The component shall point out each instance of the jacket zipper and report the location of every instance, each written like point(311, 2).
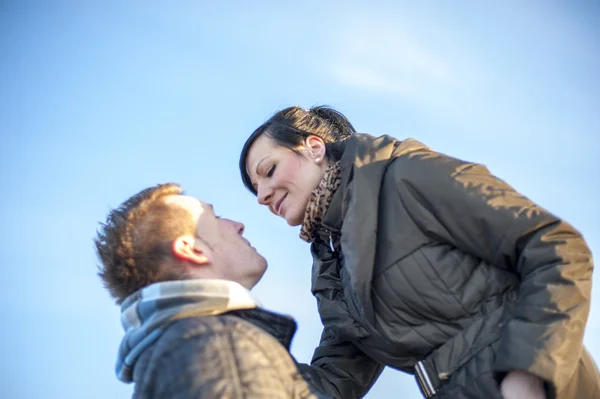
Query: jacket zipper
point(329, 233)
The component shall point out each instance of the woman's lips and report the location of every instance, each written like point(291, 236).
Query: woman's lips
point(279, 205)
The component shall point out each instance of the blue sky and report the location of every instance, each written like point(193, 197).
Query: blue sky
point(100, 100)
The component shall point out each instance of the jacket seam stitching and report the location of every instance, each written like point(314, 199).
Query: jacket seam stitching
point(451, 292)
point(429, 307)
point(235, 370)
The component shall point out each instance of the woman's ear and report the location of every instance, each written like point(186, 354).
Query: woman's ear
point(187, 248)
point(316, 148)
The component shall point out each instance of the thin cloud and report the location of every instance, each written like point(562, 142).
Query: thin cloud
point(386, 56)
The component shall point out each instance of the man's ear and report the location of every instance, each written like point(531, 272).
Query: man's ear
point(315, 146)
point(187, 248)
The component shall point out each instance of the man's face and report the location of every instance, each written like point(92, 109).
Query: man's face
point(230, 254)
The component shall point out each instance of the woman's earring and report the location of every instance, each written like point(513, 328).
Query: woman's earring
point(318, 160)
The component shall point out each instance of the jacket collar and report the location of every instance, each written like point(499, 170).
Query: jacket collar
point(353, 212)
point(281, 327)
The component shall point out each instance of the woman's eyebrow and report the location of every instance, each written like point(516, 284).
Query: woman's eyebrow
point(258, 164)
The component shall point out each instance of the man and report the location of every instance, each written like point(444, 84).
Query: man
point(183, 278)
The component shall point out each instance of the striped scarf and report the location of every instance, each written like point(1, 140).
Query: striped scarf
point(146, 313)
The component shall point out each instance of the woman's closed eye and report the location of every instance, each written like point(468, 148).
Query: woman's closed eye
point(271, 171)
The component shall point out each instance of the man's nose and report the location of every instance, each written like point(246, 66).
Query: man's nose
point(239, 226)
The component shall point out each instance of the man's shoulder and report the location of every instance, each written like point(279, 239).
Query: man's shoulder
point(197, 337)
point(193, 354)
point(198, 356)
point(189, 342)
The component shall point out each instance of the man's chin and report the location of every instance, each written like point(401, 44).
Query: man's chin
point(262, 269)
point(259, 277)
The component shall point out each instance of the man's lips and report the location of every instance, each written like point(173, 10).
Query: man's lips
point(278, 205)
point(248, 242)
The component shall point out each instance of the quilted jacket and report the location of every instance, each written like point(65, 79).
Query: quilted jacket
point(239, 354)
point(424, 257)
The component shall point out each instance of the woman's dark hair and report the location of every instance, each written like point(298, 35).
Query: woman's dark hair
point(291, 126)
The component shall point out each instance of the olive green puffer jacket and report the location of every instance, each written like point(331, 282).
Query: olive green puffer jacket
point(424, 257)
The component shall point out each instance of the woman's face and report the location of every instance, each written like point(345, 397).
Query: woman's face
point(284, 179)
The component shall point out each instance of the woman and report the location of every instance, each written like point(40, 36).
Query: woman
point(425, 263)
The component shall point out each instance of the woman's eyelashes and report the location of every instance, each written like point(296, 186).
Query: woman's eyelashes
point(271, 171)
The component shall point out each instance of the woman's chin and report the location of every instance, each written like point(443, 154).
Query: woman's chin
point(293, 221)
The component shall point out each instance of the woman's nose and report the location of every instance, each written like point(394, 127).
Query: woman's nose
point(264, 195)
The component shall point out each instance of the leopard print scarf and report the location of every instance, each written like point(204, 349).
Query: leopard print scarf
point(319, 201)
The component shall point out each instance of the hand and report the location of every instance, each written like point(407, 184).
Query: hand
point(520, 384)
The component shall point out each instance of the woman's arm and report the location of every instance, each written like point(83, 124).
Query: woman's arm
point(464, 205)
point(340, 369)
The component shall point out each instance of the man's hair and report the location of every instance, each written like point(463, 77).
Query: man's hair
point(134, 246)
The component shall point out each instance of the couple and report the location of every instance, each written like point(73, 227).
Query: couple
point(422, 262)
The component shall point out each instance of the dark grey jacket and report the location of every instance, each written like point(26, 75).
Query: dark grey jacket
point(425, 257)
point(240, 354)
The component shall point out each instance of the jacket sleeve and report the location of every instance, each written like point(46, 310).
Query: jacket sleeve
point(229, 363)
point(340, 369)
point(464, 205)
